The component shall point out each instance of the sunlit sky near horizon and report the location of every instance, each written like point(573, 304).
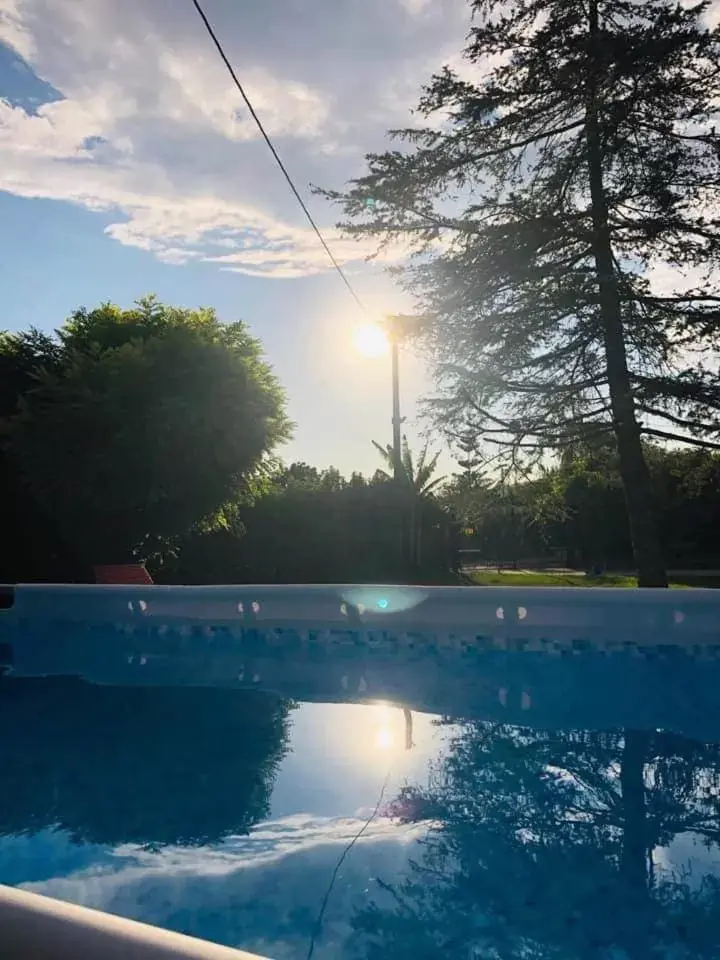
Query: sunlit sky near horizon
point(129, 165)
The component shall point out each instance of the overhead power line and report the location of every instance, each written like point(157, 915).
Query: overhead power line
point(276, 155)
point(317, 929)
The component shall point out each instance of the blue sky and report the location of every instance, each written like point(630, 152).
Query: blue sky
point(130, 166)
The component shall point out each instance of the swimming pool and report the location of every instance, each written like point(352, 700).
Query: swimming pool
point(556, 799)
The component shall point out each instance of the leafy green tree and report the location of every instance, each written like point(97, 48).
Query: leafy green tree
point(298, 473)
point(301, 474)
point(31, 546)
point(687, 489)
point(595, 530)
point(580, 148)
point(508, 521)
point(149, 423)
point(23, 356)
point(576, 509)
point(464, 494)
point(109, 326)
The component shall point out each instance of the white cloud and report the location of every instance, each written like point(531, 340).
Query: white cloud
point(12, 30)
point(712, 14)
point(152, 132)
point(199, 93)
point(259, 892)
point(267, 843)
point(667, 280)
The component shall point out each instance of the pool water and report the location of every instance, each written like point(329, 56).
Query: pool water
point(527, 806)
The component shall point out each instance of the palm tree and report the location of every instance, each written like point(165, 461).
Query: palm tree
point(416, 476)
point(418, 481)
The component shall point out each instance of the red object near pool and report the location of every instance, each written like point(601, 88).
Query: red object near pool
point(128, 573)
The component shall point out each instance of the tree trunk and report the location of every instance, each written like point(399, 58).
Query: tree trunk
point(635, 890)
point(633, 468)
point(634, 862)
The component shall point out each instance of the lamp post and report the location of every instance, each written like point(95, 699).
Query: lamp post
point(373, 340)
point(396, 326)
point(396, 419)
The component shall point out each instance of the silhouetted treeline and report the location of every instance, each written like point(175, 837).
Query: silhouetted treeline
point(305, 525)
point(574, 513)
point(310, 526)
point(101, 463)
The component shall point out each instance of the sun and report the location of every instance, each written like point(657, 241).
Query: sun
point(371, 340)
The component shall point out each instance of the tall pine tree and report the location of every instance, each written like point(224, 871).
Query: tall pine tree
point(572, 167)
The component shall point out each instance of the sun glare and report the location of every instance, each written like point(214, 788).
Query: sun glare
point(371, 341)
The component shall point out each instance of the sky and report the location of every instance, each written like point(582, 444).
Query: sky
point(130, 166)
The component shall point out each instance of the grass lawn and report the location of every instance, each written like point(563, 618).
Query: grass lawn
point(529, 578)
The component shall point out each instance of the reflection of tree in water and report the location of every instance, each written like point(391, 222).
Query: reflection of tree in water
point(137, 765)
point(542, 843)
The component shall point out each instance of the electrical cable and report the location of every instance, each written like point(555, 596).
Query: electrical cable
point(318, 923)
point(276, 155)
point(213, 36)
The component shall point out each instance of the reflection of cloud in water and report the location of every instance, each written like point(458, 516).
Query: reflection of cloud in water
point(261, 892)
point(47, 854)
point(687, 859)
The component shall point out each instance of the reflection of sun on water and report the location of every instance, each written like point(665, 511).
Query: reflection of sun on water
point(377, 733)
point(386, 722)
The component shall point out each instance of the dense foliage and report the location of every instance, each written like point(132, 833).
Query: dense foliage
point(316, 526)
point(129, 427)
point(574, 513)
point(569, 168)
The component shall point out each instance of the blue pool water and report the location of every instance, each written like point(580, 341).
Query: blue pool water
point(544, 766)
point(532, 806)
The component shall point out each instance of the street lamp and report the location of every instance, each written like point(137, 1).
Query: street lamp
point(373, 340)
point(398, 327)
point(396, 419)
